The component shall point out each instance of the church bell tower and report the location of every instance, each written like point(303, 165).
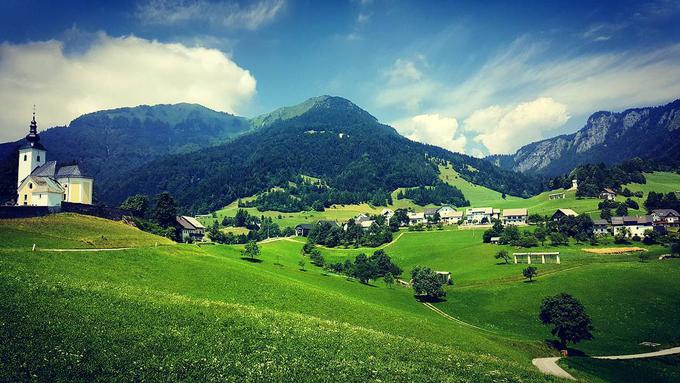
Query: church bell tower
point(32, 154)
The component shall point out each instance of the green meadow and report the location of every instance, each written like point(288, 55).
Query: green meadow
point(204, 313)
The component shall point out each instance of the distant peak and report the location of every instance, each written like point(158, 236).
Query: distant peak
point(313, 104)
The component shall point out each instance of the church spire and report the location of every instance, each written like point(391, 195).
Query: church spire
point(33, 137)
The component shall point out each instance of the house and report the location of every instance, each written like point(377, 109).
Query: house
point(189, 229)
point(429, 213)
point(601, 227)
point(666, 217)
point(450, 217)
point(559, 213)
point(478, 215)
point(635, 225)
point(445, 208)
point(574, 184)
point(43, 183)
point(496, 214)
point(553, 196)
point(495, 240)
point(388, 214)
point(608, 194)
point(303, 229)
point(444, 276)
point(415, 218)
point(514, 216)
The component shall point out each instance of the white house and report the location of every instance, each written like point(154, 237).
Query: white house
point(514, 216)
point(478, 215)
point(635, 225)
point(43, 183)
point(666, 217)
point(415, 218)
point(189, 229)
point(388, 214)
point(450, 217)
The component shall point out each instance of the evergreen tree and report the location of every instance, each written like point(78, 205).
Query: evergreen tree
point(165, 210)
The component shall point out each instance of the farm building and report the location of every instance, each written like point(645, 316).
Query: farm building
point(514, 216)
point(429, 213)
point(600, 227)
point(303, 229)
point(666, 217)
point(479, 215)
point(416, 218)
point(387, 213)
point(553, 196)
point(189, 229)
point(559, 213)
point(608, 194)
point(450, 217)
point(635, 225)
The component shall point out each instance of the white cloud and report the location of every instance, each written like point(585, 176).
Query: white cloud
point(433, 129)
point(113, 72)
point(506, 129)
point(228, 14)
point(405, 85)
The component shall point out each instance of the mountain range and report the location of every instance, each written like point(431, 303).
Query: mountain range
point(208, 159)
point(650, 133)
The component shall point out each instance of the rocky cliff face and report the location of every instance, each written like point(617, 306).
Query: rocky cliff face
point(649, 133)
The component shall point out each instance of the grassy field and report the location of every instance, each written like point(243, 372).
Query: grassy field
point(73, 231)
point(205, 314)
point(183, 312)
point(660, 370)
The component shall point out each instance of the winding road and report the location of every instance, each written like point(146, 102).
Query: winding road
point(549, 365)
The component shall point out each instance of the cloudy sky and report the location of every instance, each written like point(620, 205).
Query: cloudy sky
point(476, 77)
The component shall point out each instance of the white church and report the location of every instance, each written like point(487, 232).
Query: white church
point(42, 183)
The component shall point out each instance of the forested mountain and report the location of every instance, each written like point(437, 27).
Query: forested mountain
point(110, 142)
point(326, 137)
point(651, 133)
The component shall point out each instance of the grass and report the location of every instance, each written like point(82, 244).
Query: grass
point(203, 314)
point(73, 231)
point(660, 369)
point(184, 312)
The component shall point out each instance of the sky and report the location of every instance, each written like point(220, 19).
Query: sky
point(474, 77)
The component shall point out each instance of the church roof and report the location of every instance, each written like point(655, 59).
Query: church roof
point(70, 171)
point(33, 145)
point(42, 184)
point(47, 169)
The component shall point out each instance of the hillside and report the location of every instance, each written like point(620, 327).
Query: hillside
point(333, 140)
point(651, 133)
point(204, 314)
point(109, 142)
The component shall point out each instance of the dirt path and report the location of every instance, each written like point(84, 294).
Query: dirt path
point(549, 365)
point(454, 319)
point(77, 250)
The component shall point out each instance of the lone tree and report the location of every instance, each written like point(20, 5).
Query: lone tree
point(568, 317)
point(503, 254)
point(301, 263)
point(675, 249)
point(252, 250)
point(427, 283)
point(165, 210)
point(137, 204)
point(530, 272)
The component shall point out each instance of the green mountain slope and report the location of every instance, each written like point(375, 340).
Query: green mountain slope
point(333, 140)
point(109, 142)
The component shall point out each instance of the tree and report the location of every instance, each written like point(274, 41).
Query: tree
point(316, 258)
point(382, 264)
point(364, 269)
point(241, 218)
point(389, 280)
point(318, 206)
point(503, 254)
point(427, 283)
point(622, 210)
point(165, 210)
point(557, 239)
point(541, 233)
point(137, 204)
point(252, 250)
point(568, 317)
point(301, 263)
point(530, 273)
point(675, 249)
point(308, 247)
point(643, 256)
point(606, 213)
point(632, 204)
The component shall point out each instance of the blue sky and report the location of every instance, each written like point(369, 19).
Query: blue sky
point(478, 77)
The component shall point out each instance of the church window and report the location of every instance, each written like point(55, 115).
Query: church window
point(25, 157)
point(30, 185)
point(25, 197)
point(38, 158)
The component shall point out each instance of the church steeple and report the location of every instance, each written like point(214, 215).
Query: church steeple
point(33, 137)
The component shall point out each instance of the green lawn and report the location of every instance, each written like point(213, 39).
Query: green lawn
point(660, 369)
